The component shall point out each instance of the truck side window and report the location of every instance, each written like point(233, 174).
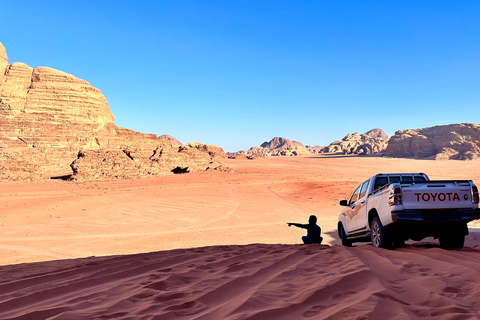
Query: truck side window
point(363, 190)
point(355, 195)
point(380, 182)
point(419, 178)
point(394, 179)
point(407, 178)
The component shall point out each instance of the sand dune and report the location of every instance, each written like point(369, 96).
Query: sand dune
point(213, 245)
point(257, 281)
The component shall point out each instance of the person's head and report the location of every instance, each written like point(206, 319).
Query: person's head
point(312, 219)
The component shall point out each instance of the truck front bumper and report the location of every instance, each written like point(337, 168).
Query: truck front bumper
point(459, 215)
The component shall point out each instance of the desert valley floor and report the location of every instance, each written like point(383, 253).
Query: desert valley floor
point(214, 245)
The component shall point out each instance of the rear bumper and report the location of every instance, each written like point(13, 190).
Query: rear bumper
point(433, 216)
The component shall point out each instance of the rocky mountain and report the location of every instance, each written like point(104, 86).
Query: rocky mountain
point(370, 142)
point(279, 147)
point(53, 124)
point(454, 141)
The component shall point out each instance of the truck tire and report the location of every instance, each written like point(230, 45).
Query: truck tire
point(452, 241)
point(378, 234)
point(343, 236)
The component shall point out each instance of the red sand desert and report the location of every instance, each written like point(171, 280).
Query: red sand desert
point(214, 245)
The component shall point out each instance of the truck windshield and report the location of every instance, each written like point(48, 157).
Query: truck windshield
point(363, 191)
point(355, 195)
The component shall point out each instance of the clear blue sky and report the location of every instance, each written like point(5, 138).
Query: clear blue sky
point(238, 73)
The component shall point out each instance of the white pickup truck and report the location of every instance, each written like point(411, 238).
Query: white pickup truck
point(388, 209)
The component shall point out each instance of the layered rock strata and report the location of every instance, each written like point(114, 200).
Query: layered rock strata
point(454, 141)
point(53, 124)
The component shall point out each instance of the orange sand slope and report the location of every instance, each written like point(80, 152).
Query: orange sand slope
point(257, 281)
point(219, 279)
point(59, 220)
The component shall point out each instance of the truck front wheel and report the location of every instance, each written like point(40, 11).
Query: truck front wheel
point(378, 234)
point(343, 236)
point(452, 241)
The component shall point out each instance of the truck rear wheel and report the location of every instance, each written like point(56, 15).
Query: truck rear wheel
point(452, 241)
point(378, 234)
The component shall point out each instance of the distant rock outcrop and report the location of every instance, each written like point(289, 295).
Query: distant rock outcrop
point(212, 150)
point(243, 155)
point(279, 147)
point(53, 124)
point(171, 139)
point(315, 149)
point(370, 142)
point(454, 141)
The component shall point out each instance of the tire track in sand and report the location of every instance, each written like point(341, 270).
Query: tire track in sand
point(230, 215)
point(299, 212)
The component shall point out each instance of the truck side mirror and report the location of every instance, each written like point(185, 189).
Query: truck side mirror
point(344, 203)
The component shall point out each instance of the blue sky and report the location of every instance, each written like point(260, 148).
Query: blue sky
point(238, 73)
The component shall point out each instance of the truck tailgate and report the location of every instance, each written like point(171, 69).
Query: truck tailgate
point(437, 195)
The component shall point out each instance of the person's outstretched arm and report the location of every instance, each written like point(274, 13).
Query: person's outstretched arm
point(299, 225)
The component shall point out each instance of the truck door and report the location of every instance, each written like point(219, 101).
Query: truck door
point(357, 209)
point(349, 211)
point(360, 217)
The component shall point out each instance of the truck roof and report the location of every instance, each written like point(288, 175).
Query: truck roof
point(383, 179)
point(402, 174)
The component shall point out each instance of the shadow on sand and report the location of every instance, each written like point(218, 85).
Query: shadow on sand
point(426, 243)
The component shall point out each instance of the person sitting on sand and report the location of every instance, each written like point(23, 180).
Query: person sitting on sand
point(313, 230)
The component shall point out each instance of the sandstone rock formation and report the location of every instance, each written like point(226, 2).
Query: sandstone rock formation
point(243, 155)
point(279, 147)
point(213, 151)
point(370, 142)
point(171, 139)
point(3, 61)
point(454, 141)
point(54, 124)
point(154, 158)
point(315, 149)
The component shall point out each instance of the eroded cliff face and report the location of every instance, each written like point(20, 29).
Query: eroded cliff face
point(455, 141)
point(53, 124)
point(3, 61)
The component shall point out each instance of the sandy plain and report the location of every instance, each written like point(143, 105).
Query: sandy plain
point(213, 245)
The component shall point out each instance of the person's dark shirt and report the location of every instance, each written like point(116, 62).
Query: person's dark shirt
point(313, 232)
